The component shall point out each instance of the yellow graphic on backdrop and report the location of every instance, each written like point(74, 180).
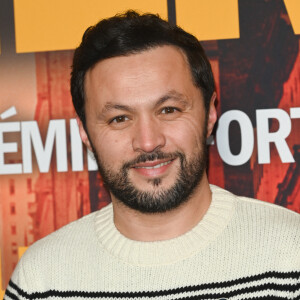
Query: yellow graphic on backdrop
point(1, 291)
point(209, 20)
point(21, 251)
point(293, 9)
point(59, 24)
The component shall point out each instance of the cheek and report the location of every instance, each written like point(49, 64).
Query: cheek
point(111, 147)
point(187, 134)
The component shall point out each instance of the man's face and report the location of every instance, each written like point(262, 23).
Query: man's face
point(147, 127)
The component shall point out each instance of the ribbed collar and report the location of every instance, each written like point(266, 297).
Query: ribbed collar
point(165, 252)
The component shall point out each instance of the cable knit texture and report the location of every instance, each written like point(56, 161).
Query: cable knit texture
point(241, 249)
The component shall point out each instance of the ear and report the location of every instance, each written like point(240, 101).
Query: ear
point(83, 134)
point(212, 114)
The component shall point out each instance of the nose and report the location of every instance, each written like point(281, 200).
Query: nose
point(148, 135)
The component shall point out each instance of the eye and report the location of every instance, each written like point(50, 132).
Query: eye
point(119, 119)
point(169, 110)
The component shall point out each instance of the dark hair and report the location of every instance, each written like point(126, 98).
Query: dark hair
point(130, 33)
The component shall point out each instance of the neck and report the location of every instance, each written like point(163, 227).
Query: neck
point(163, 226)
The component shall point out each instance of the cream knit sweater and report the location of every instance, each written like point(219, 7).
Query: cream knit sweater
point(242, 249)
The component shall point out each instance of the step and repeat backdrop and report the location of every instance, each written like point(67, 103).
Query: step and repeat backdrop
point(47, 178)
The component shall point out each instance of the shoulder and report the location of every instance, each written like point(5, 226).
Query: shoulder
point(270, 220)
point(267, 234)
point(61, 252)
point(259, 210)
point(265, 212)
point(264, 226)
point(263, 218)
point(72, 235)
point(80, 229)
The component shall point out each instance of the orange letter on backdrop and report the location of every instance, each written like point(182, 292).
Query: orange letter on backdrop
point(293, 9)
point(59, 24)
point(1, 291)
point(209, 20)
point(21, 251)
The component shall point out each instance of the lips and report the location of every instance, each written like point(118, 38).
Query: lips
point(152, 165)
point(153, 168)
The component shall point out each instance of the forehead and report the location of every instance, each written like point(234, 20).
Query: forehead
point(148, 73)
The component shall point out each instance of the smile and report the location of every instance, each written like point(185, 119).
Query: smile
point(154, 167)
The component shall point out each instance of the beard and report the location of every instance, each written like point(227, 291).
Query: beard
point(158, 200)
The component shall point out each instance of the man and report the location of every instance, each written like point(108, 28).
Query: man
point(144, 94)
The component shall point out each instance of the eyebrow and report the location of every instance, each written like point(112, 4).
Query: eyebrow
point(170, 95)
point(114, 106)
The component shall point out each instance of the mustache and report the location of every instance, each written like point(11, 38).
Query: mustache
point(151, 157)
